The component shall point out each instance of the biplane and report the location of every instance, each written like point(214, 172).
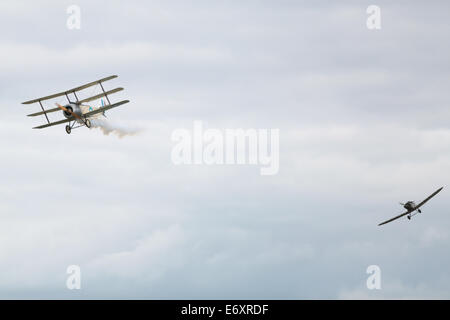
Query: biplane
point(411, 207)
point(76, 112)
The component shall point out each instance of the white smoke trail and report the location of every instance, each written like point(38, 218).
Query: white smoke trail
point(108, 128)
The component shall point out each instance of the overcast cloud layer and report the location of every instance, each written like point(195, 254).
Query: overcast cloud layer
point(364, 124)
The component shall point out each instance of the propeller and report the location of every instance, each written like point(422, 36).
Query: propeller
point(67, 110)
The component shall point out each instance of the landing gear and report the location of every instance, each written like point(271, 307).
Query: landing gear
point(68, 129)
point(419, 210)
point(88, 123)
point(409, 217)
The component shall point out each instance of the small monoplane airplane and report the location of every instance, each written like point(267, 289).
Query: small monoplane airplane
point(410, 206)
point(77, 112)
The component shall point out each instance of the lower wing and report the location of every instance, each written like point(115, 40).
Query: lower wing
point(54, 123)
point(395, 218)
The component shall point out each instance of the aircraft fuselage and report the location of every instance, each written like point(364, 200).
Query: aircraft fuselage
point(410, 206)
point(79, 110)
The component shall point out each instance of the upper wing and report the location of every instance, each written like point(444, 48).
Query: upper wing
point(395, 218)
point(99, 110)
point(54, 123)
point(90, 84)
point(431, 196)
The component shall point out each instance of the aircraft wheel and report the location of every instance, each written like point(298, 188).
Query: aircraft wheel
point(68, 129)
point(88, 123)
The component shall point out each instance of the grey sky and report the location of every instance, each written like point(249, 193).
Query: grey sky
point(363, 118)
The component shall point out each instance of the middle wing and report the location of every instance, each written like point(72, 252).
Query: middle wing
point(99, 110)
point(43, 112)
point(395, 218)
point(431, 196)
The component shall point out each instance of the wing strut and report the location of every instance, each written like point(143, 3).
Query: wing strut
point(45, 113)
point(104, 92)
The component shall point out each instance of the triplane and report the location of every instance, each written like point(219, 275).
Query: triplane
point(77, 112)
